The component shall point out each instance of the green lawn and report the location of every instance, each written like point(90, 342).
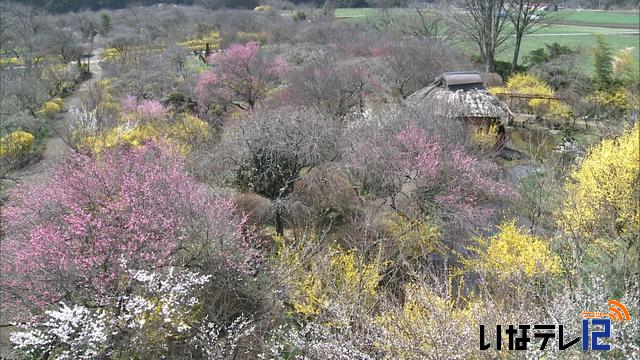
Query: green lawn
point(592, 17)
point(576, 36)
point(584, 44)
point(629, 19)
point(355, 13)
point(574, 29)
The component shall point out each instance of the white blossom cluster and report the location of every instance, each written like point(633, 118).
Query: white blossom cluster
point(314, 341)
point(175, 291)
point(79, 332)
point(68, 333)
point(208, 339)
point(86, 120)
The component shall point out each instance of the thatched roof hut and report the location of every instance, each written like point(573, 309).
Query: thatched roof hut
point(460, 95)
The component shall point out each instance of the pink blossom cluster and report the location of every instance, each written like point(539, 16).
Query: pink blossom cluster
point(419, 151)
point(241, 75)
point(463, 182)
point(142, 111)
point(132, 205)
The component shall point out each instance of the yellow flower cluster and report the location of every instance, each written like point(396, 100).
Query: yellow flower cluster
point(315, 280)
point(621, 99)
point(625, 64)
point(50, 108)
point(263, 8)
point(187, 130)
point(414, 237)
point(355, 276)
point(131, 54)
point(421, 320)
point(484, 138)
point(603, 192)
point(11, 61)
point(259, 37)
point(512, 251)
point(524, 84)
point(16, 144)
point(527, 84)
point(108, 104)
point(111, 54)
point(199, 44)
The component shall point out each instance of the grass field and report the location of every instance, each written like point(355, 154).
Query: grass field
point(578, 35)
point(593, 17)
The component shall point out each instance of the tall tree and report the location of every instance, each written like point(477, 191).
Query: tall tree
point(484, 22)
point(526, 16)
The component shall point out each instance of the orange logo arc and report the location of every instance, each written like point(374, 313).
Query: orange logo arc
point(618, 311)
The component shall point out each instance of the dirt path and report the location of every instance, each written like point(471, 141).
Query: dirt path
point(40, 172)
point(55, 148)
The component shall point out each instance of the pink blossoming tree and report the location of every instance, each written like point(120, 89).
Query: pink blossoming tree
point(437, 178)
point(241, 76)
point(142, 110)
point(448, 176)
point(135, 207)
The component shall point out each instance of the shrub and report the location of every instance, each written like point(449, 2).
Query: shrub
point(111, 54)
point(561, 73)
point(552, 52)
point(50, 109)
point(528, 84)
point(329, 276)
point(16, 149)
point(602, 191)
point(512, 251)
point(599, 215)
point(69, 239)
point(212, 40)
point(245, 37)
point(300, 16)
point(159, 318)
point(415, 326)
point(603, 62)
point(242, 75)
point(485, 139)
point(186, 131)
point(621, 99)
point(625, 65)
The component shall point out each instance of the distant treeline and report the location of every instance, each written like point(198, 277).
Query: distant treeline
point(60, 6)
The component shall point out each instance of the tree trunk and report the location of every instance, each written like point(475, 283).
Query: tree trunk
point(279, 224)
point(516, 53)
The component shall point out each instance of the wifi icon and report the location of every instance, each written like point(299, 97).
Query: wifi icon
point(618, 311)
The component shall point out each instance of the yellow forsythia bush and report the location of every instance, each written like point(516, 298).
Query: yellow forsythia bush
point(11, 61)
point(313, 281)
point(621, 98)
point(263, 8)
point(602, 191)
point(485, 138)
point(259, 37)
point(111, 54)
point(199, 44)
point(513, 251)
point(419, 324)
point(186, 131)
point(50, 108)
point(413, 237)
point(527, 84)
point(16, 144)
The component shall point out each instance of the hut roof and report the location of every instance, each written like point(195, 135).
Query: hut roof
point(460, 80)
point(459, 94)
